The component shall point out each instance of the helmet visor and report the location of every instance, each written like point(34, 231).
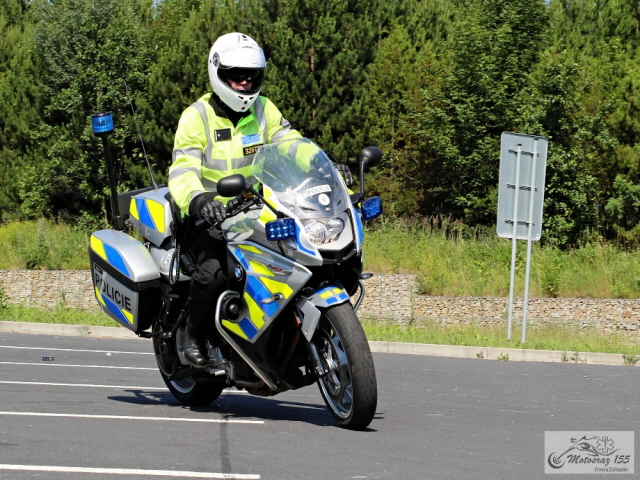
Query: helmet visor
point(240, 74)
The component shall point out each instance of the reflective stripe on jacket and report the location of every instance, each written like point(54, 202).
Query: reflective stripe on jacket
point(208, 147)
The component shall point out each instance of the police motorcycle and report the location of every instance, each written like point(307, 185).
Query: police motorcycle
point(294, 255)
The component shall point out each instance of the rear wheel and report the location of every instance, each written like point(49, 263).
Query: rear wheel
point(189, 391)
point(349, 389)
point(192, 391)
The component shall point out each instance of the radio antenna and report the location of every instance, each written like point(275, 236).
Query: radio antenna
point(135, 119)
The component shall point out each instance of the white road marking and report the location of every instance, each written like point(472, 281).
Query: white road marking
point(54, 364)
point(128, 417)
point(126, 387)
point(129, 471)
point(75, 350)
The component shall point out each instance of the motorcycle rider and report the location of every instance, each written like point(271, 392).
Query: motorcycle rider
point(218, 136)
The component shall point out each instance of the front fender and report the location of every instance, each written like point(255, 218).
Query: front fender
point(329, 296)
point(309, 308)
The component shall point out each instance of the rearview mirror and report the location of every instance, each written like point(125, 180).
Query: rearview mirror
point(370, 157)
point(231, 186)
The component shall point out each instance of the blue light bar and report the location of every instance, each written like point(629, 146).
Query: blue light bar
point(102, 123)
point(281, 229)
point(372, 208)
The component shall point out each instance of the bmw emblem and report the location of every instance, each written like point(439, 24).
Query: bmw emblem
point(238, 272)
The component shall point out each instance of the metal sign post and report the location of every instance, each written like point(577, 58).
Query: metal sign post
point(523, 163)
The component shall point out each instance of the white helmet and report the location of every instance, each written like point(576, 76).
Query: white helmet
point(237, 57)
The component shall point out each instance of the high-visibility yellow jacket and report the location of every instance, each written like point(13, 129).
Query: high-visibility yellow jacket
point(208, 147)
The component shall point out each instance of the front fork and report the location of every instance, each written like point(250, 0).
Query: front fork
point(308, 310)
point(318, 364)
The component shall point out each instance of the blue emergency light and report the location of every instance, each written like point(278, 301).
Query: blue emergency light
point(102, 123)
point(281, 229)
point(372, 208)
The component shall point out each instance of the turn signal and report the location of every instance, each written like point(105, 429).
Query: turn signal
point(372, 208)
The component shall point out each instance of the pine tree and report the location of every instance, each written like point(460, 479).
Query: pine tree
point(602, 38)
point(405, 107)
point(88, 50)
point(20, 98)
point(317, 53)
point(395, 101)
point(184, 34)
point(494, 45)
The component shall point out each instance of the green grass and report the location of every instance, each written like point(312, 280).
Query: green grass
point(564, 339)
point(448, 257)
point(58, 315)
point(43, 245)
point(454, 260)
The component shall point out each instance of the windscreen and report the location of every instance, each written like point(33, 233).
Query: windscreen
point(302, 177)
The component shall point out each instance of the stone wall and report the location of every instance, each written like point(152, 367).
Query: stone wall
point(395, 297)
point(49, 288)
point(391, 297)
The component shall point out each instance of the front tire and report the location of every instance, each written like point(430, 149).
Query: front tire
point(349, 389)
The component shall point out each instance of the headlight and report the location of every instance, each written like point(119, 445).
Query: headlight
point(324, 231)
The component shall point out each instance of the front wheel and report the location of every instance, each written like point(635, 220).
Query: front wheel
point(349, 389)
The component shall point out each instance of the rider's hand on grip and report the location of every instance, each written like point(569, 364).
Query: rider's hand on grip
point(206, 207)
point(346, 173)
point(234, 203)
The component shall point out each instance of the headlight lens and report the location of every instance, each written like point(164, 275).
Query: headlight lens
point(324, 231)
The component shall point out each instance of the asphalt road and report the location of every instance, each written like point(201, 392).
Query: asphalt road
point(100, 409)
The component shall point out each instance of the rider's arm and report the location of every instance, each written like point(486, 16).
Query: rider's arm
point(278, 128)
point(185, 173)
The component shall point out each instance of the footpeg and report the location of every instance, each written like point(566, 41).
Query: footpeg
point(216, 359)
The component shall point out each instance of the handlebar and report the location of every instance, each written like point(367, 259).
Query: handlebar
point(231, 211)
point(201, 223)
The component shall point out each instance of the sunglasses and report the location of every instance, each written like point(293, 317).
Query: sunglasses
point(240, 74)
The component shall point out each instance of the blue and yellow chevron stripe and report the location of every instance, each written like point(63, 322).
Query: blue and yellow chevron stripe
point(148, 212)
point(260, 285)
point(110, 255)
point(124, 316)
point(332, 295)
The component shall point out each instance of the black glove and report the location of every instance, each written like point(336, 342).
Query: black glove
point(204, 206)
point(347, 176)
